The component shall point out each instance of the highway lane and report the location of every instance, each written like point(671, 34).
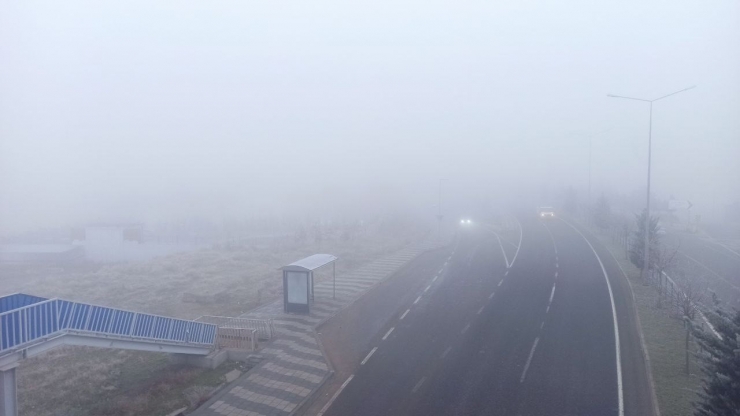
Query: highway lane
point(537, 338)
point(423, 330)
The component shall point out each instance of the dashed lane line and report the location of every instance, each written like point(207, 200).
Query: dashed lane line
point(388, 333)
point(418, 385)
point(427, 289)
point(500, 282)
point(404, 314)
point(465, 329)
point(529, 359)
point(417, 300)
point(370, 354)
point(334, 397)
point(480, 310)
point(447, 351)
point(491, 295)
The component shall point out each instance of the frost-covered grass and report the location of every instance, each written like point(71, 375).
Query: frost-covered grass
point(227, 279)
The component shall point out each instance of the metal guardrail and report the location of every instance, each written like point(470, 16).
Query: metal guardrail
point(238, 338)
point(265, 328)
point(36, 322)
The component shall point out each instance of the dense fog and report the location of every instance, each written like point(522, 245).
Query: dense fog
point(151, 112)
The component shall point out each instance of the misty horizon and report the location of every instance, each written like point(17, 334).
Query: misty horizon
point(158, 112)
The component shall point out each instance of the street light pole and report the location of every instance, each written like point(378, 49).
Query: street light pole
point(646, 259)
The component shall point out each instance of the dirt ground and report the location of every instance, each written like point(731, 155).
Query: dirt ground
point(227, 279)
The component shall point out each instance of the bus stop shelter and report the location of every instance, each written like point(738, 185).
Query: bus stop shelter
point(298, 281)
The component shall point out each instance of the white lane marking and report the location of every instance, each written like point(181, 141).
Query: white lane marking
point(529, 360)
point(557, 265)
point(502, 250)
point(557, 259)
point(445, 264)
point(480, 310)
point(370, 354)
point(542, 325)
point(500, 282)
point(491, 295)
point(427, 289)
point(435, 278)
point(465, 329)
point(506, 274)
point(440, 270)
point(334, 397)
point(549, 303)
point(447, 351)
point(620, 392)
point(404, 314)
point(417, 300)
point(520, 242)
point(556, 274)
point(552, 293)
point(388, 333)
point(416, 387)
point(450, 257)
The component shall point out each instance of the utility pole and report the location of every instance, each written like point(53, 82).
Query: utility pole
point(646, 263)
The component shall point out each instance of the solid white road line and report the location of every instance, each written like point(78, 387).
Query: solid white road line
point(502, 250)
point(620, 392)
point(480, 310)
point(491, 295)
point(520, 242)
point(404, 314)
point(529, 360)
point(388, 333)
point(465, 329)
point(372, 351)
point(417, 300)
point(334, 397)
point(447, 351)
point(416, 387)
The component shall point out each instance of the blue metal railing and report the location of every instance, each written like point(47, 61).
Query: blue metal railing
point(34, 322)
point(18, 300)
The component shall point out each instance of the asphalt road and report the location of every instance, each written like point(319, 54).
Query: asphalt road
point(482, 338)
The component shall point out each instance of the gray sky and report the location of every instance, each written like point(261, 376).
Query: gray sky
point(160, 110)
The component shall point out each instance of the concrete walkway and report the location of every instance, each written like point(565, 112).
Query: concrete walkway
point(294, 366)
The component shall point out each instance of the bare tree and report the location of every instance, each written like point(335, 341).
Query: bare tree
point(664, 261)
point(689, 296)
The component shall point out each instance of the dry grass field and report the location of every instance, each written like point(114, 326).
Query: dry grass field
point(227, 279)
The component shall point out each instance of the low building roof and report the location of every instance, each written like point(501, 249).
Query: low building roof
point(310, 263)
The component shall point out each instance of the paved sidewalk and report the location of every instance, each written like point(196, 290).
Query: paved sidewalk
point(294, 366)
